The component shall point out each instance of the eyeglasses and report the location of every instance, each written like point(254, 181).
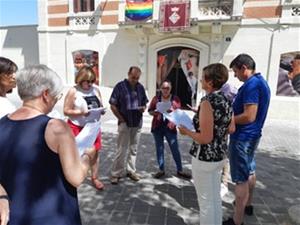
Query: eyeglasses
point(58, 97)
point(165, 88)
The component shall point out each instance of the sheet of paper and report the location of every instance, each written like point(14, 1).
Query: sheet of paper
point(163, 107)
point(87, 136)
point(95, 114)
point(180, 117)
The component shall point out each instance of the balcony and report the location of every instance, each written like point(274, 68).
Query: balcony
point(200, 10)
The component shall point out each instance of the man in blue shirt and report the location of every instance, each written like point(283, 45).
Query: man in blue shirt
point(128, 102)
point(250, 110)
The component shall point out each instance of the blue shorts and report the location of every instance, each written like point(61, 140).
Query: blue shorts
point(242, 160)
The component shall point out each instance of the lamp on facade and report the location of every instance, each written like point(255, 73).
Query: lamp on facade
point(194, 22)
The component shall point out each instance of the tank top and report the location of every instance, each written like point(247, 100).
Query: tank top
point(32, 176)
point(85, 100)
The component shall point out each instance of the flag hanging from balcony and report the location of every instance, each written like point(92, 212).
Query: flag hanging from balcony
point(174, 15)
point(138, 10)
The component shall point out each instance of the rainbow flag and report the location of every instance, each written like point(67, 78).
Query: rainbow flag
point(138, 10)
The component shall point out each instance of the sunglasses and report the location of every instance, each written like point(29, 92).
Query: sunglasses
point(88, 81)
point(165, 88)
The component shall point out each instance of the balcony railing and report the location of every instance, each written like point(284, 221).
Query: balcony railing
point(215, 10)
point(200, 10)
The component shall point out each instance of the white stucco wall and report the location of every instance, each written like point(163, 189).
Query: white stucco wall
point(265, 45)
point(119, 49)
point(20, 44)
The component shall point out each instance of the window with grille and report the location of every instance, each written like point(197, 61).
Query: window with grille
point(84, 5)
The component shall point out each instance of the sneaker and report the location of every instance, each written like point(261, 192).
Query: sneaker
point(114, 180)
point(224, 190)
point(184, 175)
point(159, 174)
point(229, 221)
point(133, 176)
point(248, 209)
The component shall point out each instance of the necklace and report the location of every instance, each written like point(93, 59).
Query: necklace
point(34, 108)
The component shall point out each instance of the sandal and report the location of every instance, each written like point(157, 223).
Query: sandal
point(97, 183)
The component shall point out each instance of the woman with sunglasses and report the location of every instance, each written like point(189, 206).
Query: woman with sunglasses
point(40, 167)
point(162, 127)
point(79, 100)
point(7, 82)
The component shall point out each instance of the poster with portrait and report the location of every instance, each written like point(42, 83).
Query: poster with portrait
point(86, 58)
point(180, 66)
point(288, 73)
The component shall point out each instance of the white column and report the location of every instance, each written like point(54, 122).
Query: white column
point(42, 32)
point(42, 14)
point(155, 16)
point(71, 6)
point(142, 53)
point(122, 4)
point(216, 42)
point(237, 10)
point(194, 8)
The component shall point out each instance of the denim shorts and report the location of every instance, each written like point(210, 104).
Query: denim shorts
point(242, 160)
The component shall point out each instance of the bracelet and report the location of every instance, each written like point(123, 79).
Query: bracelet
point(4, 197)
point(90, 158)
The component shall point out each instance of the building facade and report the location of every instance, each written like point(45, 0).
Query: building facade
point(110, 36)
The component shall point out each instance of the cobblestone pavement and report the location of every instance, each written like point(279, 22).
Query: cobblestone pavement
point(173, 201)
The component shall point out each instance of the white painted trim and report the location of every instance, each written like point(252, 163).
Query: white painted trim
point(58, 2)
point(58, 15)
point(260, 21)
point(172, 42)
point(113, 27)
point(272, 21)
point(105, 13)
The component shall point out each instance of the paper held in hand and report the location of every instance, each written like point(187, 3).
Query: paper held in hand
point(95, 114)
point(163, 107)
point(87, 136)
point(180, 117)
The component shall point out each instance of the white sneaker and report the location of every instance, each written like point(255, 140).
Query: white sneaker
point(224, 190)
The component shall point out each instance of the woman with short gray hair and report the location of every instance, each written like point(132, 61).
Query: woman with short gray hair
point(40, 166)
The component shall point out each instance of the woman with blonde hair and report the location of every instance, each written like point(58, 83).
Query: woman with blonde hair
point(79, 100)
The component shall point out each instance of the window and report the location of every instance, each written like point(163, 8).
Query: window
point(84, 5)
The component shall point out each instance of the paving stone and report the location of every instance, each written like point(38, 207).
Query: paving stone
point(173, 201)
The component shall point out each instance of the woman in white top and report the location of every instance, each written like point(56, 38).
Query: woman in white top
point(7, 82)
point(79, 101)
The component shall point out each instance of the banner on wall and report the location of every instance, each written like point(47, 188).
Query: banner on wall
point(288, 82)
point(174, 15)
point(138, 10)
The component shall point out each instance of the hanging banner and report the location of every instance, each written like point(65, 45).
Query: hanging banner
point(174, 15)
point(138, 10)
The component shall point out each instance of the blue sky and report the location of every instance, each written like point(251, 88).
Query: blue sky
point(18, 12)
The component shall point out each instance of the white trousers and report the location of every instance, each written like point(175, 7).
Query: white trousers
point(207, 181)
point(127, 143)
